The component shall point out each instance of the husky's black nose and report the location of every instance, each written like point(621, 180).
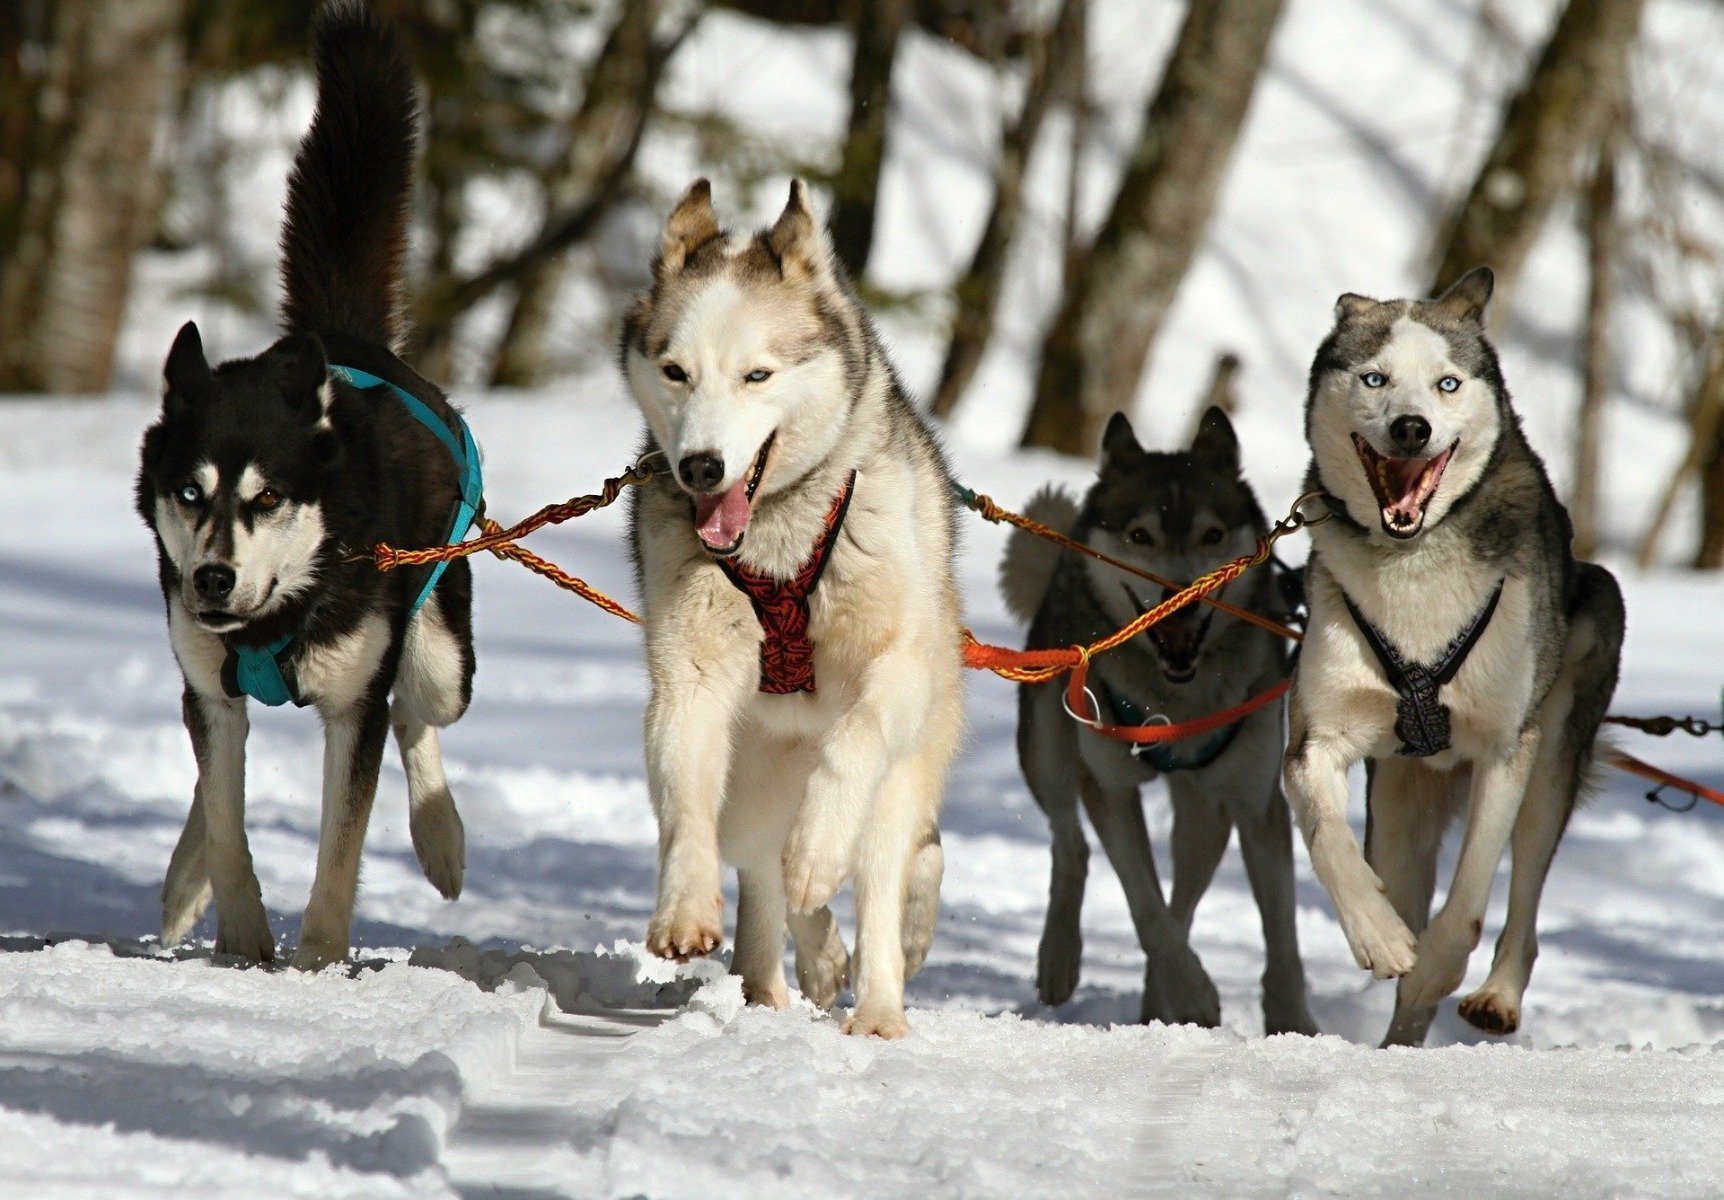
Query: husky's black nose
point(1411, 434)
point(701, 472)
point(214, 582)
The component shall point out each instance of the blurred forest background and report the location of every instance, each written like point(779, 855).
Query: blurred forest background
point(136, 138)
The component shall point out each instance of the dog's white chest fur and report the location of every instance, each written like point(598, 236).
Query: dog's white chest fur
point(1421, 601)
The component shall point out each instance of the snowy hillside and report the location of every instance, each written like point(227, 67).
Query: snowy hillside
point(582, 1068)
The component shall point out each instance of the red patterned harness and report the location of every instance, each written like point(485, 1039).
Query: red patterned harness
point(781, 607)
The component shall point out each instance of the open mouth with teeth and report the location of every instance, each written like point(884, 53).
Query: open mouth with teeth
point(721, 518)
point(1177, 638)
point(1403, 486)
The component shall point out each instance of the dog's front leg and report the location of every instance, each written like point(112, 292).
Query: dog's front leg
point(218, 728)
point(1498, 787)
point(688, 748)
point(873, 732)
point(1315, 776)
point(352, 753)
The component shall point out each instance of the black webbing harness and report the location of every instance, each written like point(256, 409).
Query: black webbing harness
point(1421, 719)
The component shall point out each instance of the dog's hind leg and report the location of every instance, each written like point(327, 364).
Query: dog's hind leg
point(352, 754)
point(1048, 755)
point(186, 891)
point(1176, 988)
point(822, 962)
point(1266, 844)
point(1202, 828)
point(439, 838)
point(760, 918)
point(1408, 809)
point(922, 900)
point(432, 688)
point(218, 729)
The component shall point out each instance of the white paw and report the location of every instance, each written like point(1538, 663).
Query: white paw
point(823, 972)
point(440, 841)
point(881, 1022)
point(771, 994)
point(1381, 942)
point(685, 929)
point(812, 873)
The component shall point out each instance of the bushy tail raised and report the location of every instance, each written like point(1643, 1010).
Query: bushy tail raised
point(1028, 567)
point(345, 240)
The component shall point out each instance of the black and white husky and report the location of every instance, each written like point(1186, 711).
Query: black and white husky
point(1454, 643)
point(267, 480)
point(1180, 515)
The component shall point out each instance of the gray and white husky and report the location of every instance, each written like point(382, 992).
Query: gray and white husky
point(1454, 643)
point(1178, 515)
point(802, 626)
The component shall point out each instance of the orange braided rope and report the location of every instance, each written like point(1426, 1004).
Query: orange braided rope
point(985, 507)
point(1021, 666)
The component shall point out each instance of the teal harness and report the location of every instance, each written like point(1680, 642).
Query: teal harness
point(1161, 756)
point(263, 672)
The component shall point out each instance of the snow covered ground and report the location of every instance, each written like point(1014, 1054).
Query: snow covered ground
point(580, 1067)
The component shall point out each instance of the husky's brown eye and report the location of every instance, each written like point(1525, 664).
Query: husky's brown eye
point(266, 500)
point(675, 373)
point(758, 375)
point(1141, 536)
point(1212, 537)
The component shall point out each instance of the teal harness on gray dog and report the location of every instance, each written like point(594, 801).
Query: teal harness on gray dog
point(1161, 756)
point(265, 673)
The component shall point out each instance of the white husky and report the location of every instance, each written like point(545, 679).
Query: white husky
point(802, 628)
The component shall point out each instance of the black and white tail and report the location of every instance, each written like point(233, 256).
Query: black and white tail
point(344, 244)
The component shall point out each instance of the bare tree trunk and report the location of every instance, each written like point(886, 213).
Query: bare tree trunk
point(1706, 430)
point(877, 25)
point(1071, 251)
point(1100, 341)
point(87, 203)
point(1558, 113)
point(1709, 445)
point(598, 134)
point(977, 294)
point(1595, 386)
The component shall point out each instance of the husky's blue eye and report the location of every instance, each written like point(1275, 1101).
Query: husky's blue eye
point(1374, 379)
point(191, 493)
point(1449, 383)
point(758, 375)
point(675, 373)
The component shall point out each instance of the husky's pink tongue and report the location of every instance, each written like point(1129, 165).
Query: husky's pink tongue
point(721, 519)
point(1402, 477)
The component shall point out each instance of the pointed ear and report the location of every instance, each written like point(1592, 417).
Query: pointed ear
point(1351, 305)
point(301, 370)
point(1216, 443)
point(1467, 296)
point(797, 239)
point(187, 371)
point(1118, 440)
point(691, 225)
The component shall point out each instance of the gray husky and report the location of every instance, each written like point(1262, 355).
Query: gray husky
point(1178, 515)
point(802, 629)
point(1454, 643)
